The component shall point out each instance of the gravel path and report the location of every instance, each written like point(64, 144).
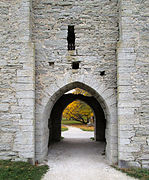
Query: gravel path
point(77, 157)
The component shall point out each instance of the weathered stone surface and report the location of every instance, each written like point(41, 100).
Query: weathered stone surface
point(133, 81)
point(4, 107)
point(96, 30)
point(111, 36)
point(16, 76)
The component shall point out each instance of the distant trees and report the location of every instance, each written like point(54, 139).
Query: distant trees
point(78, 110)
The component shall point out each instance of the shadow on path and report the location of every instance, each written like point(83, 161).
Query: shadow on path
point(77, 157)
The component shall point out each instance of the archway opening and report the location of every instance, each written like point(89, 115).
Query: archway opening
point(48, 126)
point(80, 97)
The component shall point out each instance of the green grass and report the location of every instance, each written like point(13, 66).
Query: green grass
point(139, 173)
point(20, 171)
point(64, 129)
point(92, 138)
point(70, 122)
point(84, 129)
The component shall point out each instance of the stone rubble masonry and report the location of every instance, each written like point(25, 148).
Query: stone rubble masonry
point(133, 84)
point(17, 82)
point(96, 30)
point(111, 36)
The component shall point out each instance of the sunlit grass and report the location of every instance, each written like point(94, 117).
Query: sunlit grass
point(64, 128)
point(84, 127)
point(21, 171)
point(70, 122)
point(139, 173)
point(76, 124)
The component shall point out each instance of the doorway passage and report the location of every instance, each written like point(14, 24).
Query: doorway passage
point(62, 103)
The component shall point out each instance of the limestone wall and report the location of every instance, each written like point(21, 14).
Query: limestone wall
point(111, 36)
point(16, 81)
point(133, 84)
point(96, 30)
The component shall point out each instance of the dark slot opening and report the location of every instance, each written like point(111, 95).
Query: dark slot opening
point(102, 73)
point(51, 64)
point(75, 65)
point(71, 38)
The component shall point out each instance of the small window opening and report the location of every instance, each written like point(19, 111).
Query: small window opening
point(51, 64)
point(71, 38)
point(75, 65)
point(102, 73)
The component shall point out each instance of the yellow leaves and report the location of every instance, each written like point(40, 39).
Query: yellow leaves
point(81, 91)
point(78, 110)
point(71, 110)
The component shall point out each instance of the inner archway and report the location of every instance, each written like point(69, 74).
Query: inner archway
point(62, 103)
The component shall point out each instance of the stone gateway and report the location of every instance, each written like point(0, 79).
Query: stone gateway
point(49, 47)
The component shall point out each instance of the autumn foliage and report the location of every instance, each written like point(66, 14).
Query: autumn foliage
point(78, 110)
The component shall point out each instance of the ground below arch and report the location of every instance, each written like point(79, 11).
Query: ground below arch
point(77, 157)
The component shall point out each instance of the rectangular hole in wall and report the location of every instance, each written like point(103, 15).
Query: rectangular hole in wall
point(71, 38)
point(51, 64)
point(75, 65)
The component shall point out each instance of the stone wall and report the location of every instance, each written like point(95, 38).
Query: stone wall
point(133, 84)
point(96, 30)
point(16, 81)
point(43, 29)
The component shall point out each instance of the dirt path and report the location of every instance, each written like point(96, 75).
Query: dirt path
point(77, 157)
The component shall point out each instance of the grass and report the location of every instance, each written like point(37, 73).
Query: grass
point(139, 173)
point(21, 171)
point(92, 138)
point(84, 127)
point(76, 124)
point(62, 137)
point(87, 128)
point(70, 122)
point(64, 128)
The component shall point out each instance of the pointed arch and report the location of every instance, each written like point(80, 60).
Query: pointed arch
point(106, 98)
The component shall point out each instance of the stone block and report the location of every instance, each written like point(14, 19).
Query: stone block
point(26, 102)
point(124, 141)
point(5, 147)
point(26, 79)
point(145, 164)
point(23, 87)
point(25, 94)
point(26, 155)
point(126, 156)
point(127, 104)
point(4, 107)
point(6, 138)
point(126, 134)
point(26, 122)
point(24, 73)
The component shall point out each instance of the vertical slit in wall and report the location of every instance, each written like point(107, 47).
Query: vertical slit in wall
point(71, 38)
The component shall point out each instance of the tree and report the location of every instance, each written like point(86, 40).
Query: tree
point(81, 91)
point(78, 110)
